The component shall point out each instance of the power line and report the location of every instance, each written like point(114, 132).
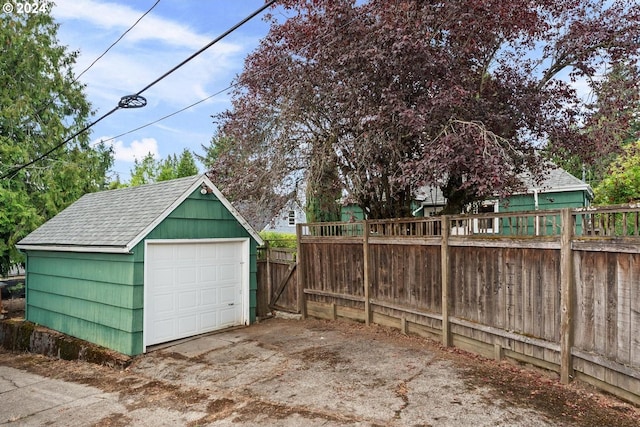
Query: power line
point(216, 40)
point(168, 115)
point(135, 100)
point(87, 127)
point(117, 41)
point(55, 147)
point(231, 86)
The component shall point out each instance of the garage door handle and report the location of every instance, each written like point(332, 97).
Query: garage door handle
point(231, 303)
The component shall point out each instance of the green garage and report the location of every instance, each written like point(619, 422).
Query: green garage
point(139, 266)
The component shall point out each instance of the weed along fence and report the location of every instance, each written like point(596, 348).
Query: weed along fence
point(557, 289)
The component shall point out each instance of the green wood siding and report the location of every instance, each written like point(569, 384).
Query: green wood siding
point(100, 297)
point(351, 213)
point(546, 201)
point(85, 295)
point(559, 200)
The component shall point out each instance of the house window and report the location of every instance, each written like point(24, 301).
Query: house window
point(486, 225)
point(292, 218)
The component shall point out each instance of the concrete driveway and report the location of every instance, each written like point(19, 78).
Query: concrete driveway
point(294, 373)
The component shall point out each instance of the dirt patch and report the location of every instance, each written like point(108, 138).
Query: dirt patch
point(353, 374)
point(135, 391)
point(526, 387)
point(260, 409)
point(114, 420)
point(322, 355)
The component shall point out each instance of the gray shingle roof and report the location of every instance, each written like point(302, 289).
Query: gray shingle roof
point(110, 218)
point(556, 179)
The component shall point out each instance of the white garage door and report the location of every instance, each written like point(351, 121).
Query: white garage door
point(193, 287)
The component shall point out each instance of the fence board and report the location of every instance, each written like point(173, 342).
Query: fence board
point(504, 290)
point(635, 315)
point(611, 317)
point(585, 306)
point(623, 317)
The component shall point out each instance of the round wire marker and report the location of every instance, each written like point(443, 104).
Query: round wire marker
point(132, 101)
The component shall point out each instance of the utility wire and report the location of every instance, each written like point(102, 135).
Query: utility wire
point(168, 115)
point(117, 41)
point(55, 147)
point(216, 40)
point(231, 86)
point(132, 101)
point(84, 129)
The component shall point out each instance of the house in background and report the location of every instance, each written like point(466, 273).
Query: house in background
point(139, 266)
point(558, 189)
point(286, 219)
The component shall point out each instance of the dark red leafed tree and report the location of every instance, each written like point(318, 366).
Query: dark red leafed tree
point(380, 97)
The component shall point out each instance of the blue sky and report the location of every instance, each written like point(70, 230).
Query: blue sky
point(170, 33)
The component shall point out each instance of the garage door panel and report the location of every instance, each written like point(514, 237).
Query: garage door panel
point(228, 295)
point(227, 254)
point(162, 278)
point(209, 272)
point(192, 288)
point(208, 297)
point(187, 300)
point(164, 304)
point(188, 325)
point(227, 315)
point(208, 251)
point(228, 272)
point(164, 330)
point(164, 253)
point(210, 321)
point(186, 252)
point(186, 277)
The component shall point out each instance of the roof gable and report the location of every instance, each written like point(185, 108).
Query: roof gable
point(117, 220)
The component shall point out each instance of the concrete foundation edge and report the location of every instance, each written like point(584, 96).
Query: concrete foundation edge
point(23, 336)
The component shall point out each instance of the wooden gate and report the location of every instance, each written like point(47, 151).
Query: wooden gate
point(277, 281)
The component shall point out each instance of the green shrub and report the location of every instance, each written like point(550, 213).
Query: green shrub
point(279, 240)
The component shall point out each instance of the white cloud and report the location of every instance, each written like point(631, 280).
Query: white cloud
point(153, 47)
point(137, 150)
point(114, 16)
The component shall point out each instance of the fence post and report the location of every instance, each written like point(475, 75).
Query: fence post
point(566, 297)
point(267, 253)
point(365, 275)
point(444, 256)
point(302, 304)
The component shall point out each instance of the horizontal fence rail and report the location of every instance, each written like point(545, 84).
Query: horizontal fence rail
point(558, 289)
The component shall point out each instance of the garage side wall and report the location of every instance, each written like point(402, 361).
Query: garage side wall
point(86, 295)
point(198, 217)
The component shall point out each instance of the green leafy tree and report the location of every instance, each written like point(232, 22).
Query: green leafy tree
point(41, 104)
point(622, 182)
point(614, 122)
point(150, 170)
point(186, 165)
point(144, 171)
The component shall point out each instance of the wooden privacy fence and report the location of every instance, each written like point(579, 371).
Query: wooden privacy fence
point(557, 289)
point(277, 280)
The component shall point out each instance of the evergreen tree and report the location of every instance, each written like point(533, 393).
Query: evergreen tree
point(41, 104)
